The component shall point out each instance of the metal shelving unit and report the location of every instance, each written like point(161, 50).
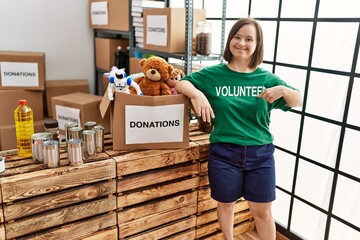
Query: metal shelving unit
point(187, 56)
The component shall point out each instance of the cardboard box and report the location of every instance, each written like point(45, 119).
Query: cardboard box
point(105, 50)
point(111, 14)
point(8, 134)
point(22, 70)
point(55, 88)
point(9, 100)
point(147, 122)
point(164, 28)
point(79, 107)
point(105, 83)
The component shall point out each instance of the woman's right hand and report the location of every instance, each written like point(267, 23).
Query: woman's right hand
point(201, 104)
point(202, 107)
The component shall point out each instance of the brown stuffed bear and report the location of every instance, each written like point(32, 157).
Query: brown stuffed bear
point(156, 71)
point(175, 77)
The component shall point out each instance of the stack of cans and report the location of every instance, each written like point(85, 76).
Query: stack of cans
point(83, 144)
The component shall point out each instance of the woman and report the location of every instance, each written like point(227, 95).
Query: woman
point(241, 95)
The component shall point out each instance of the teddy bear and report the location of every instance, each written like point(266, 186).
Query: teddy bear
point(156, 71)
point(175, 77)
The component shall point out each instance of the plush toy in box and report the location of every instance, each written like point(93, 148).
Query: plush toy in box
point(156, 71)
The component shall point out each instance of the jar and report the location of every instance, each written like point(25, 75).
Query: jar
point(203, 38)
point(52, 126)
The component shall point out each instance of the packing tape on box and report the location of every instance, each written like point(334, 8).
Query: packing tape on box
point(2, 164)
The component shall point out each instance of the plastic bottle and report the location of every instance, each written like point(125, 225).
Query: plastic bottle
point(127, 59)
point(119, 58)
point(24, 124)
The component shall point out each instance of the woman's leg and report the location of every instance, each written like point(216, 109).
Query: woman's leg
point(225, 213)
point(264, 221)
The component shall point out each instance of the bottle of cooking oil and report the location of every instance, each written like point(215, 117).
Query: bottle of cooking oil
point(24, 124)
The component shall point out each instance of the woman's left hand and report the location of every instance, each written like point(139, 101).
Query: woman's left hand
point(272, 94)
point(292, 97)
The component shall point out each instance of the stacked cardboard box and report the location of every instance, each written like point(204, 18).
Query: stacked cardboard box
point(22, 77)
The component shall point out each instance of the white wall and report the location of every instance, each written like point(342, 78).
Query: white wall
point(60, 28)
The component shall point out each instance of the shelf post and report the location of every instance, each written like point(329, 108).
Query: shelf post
point(189, 15)
point(223, 19)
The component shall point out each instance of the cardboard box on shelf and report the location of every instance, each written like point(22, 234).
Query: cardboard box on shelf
point(8, 134)
point(9, 100)
point(105, 50)
point(79, 107)
point(111, 14)
point(55, 88)
point(22, 70)
point(147, 122)
point(164, 28)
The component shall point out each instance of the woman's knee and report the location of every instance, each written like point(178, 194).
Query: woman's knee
point(226, 205)
point(261, 211)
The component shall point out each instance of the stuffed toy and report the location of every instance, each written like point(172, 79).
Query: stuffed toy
point(119, 82)
point(175, 77)
point(156, 71)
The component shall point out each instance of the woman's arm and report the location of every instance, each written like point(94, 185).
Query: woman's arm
point(201, 104)
point(292, 97)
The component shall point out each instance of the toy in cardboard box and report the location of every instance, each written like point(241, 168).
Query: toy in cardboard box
point(119, 82)
point(175, 77)
point(156, 71)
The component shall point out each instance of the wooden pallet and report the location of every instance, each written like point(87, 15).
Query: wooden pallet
point(2, 226)
point(156, 189)
point(137, 194)
point(58, 203)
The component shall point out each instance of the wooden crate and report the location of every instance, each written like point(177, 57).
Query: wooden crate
point(135, 194)
point(156, 188)
point(94, 228)
point(111, 233)
point(173, 230)
point(58, 203)
point(202, 139)
point(2, 227)
point(238, 229)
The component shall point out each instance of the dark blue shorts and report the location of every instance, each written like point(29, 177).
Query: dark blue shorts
point(241, 171)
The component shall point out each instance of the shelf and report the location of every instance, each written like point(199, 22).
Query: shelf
point(181, 56)
point(106, 32)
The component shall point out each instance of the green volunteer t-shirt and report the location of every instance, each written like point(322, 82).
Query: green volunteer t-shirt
point(240, 116)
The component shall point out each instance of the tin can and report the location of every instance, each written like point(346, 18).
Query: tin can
point(88, 144)
point(51, 153)
point(37, 140)
point(75, 152)
point(67, 127)
point(75, 133)
point(99, 138)
point(89, 125)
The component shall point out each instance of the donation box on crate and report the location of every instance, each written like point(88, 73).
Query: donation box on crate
point(147, 122)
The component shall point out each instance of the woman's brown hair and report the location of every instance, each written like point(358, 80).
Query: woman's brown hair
point(258, 55)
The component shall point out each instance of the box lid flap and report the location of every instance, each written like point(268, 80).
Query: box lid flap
point(104, 104)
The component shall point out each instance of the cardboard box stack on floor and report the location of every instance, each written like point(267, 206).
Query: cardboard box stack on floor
point(22, 76)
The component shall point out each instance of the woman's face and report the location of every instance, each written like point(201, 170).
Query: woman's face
point(243, 44)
